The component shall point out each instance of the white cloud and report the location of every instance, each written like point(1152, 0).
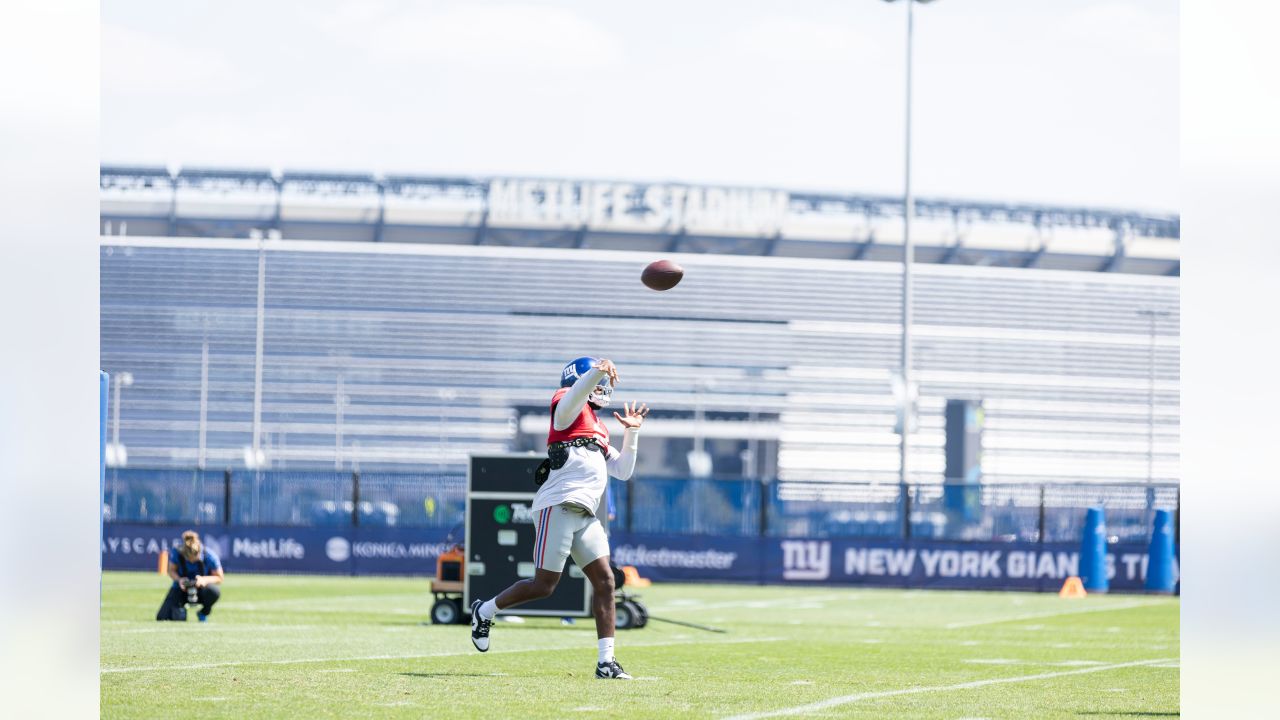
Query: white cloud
point(1122, 26)
point(515, 37)
point(137, 63)
point(801, 42)
point(1060, 102)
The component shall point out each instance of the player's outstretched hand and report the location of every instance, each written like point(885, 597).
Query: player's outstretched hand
point(635, 414)
point(609, 369)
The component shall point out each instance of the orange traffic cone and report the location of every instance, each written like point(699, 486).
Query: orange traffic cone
point(162, 565)
point(1072, 588)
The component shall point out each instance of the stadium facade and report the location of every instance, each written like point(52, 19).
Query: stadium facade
point(617, 215)
point(402, 323)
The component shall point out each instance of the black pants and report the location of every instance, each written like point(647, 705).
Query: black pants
point(175, 603)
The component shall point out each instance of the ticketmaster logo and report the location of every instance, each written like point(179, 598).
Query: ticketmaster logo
point(514, 512)
point(665, 557)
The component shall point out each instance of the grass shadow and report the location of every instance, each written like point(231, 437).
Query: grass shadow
point(501, 627)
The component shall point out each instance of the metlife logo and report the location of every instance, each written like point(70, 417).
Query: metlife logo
point(271, 548)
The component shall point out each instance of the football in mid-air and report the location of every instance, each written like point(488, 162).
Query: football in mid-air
point(661, 275)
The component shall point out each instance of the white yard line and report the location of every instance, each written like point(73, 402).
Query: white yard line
point(335, 601)
point(1037, 616)
point(211, 628)
point(412, 656)
point(247, 608)
point(754, 604)
point(1011, 661)
point(846, 699)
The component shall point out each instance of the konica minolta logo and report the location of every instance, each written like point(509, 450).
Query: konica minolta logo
point(338, 549)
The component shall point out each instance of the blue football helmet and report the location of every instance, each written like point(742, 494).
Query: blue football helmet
point(601, 394)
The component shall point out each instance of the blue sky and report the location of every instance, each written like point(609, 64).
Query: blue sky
point(1062, 102)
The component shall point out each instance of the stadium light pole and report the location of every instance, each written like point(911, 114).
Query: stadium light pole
point(203, 429)
point(1152, 316)
point(256, 447)
point(117, 456)
point(908, 207)
point(447, 396)
point(339, 404)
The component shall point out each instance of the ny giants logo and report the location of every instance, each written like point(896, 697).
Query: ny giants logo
point(806, 560)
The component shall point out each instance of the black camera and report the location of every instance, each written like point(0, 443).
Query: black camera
point(193, 595)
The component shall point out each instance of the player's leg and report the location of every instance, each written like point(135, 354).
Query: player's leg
point(553, 539)
point(600, 575)
point(591, 552)
point(208, 595)
point(541, 585)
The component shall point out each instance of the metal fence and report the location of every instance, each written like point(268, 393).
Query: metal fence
point(278, 498)
point(1048, 512)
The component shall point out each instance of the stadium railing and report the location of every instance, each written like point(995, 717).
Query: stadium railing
point(1000, 512)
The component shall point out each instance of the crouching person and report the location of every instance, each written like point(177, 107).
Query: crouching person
point(197, 575)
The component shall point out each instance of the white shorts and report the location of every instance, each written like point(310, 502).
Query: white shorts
point(566, 528)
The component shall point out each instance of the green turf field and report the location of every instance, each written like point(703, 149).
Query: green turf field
point(304, 647)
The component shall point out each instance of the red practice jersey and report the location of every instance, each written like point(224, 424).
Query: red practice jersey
point(585, 425)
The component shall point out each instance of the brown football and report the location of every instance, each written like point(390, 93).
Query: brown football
point(661, 275)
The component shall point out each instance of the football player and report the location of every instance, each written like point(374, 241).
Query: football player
point(565, 507)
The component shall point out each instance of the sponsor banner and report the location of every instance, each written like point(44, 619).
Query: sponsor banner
point(688, 557)
point(970, 566)
point(711, 558)
point(373, 551)
point(394, 551)
point(883, 563)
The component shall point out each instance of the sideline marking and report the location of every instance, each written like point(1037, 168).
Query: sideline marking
point(846, 699)
point(677, 605)
point(1035, 616)
point(412, 656)
point(174, 628)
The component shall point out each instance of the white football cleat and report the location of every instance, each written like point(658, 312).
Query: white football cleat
point(611, 671)
point(479, 628)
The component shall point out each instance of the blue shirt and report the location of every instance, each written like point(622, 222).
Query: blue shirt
point(207, 563)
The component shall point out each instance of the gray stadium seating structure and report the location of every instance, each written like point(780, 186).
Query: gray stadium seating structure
point(437, 348)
